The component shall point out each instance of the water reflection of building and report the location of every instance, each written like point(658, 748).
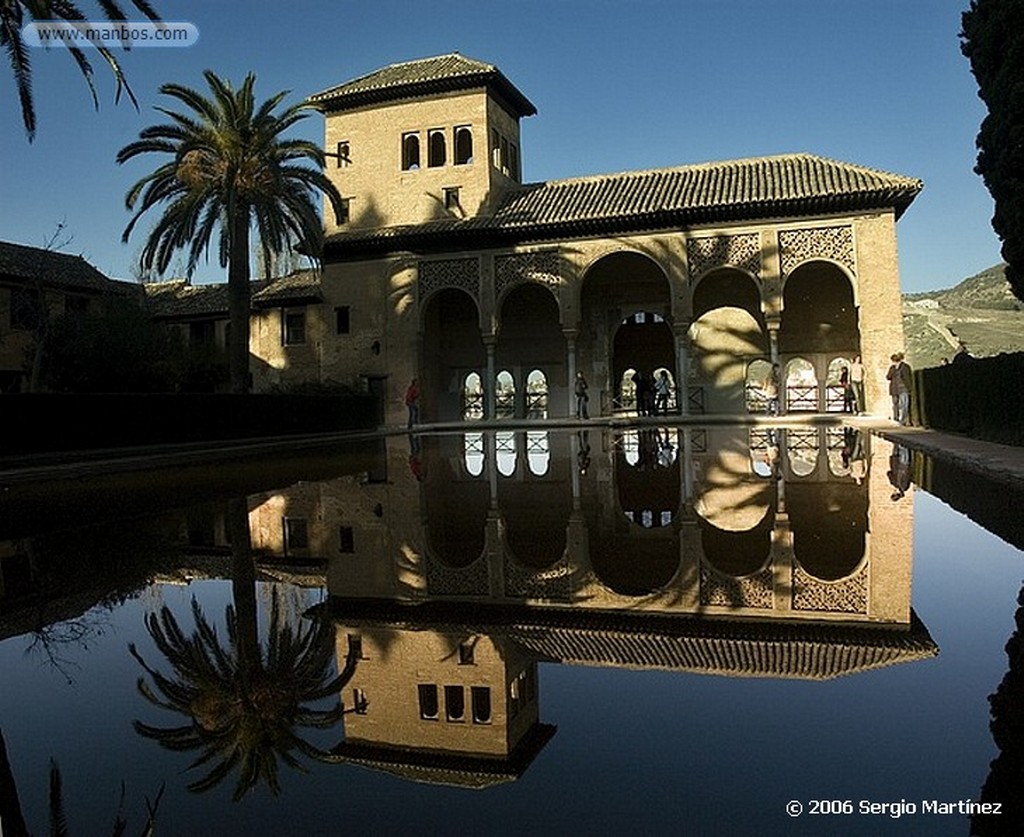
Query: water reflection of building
point(723, 550)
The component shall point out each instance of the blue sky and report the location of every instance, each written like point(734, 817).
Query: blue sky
point(618, 85)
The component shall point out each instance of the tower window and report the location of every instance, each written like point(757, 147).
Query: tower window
point(454, 703)
point(481, 704)
point(437, 153)
point(342, 319)
point(428, 701)
point(293, 328)
point(410, 152)
point(463, 145)
point(346, 539)
point(296, 533)
point(513, 161)
point(344, 160)
point(451, 198)
point(342, 211)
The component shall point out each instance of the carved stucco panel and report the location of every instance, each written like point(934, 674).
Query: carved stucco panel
point(847, 596)
point(742, 251)
point(725, 591)
point(832, 243)
point(449, 273)
point(541, 266)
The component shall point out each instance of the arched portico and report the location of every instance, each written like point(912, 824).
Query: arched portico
point(530, 340)
point(728, 333)
point(625, 321)
point(452, 347)
point(819, 324)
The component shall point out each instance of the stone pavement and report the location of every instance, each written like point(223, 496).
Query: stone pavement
point(1002, 463)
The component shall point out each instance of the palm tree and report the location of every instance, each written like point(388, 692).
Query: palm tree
point(13, 16)
point(230, 169)
point(244, 700)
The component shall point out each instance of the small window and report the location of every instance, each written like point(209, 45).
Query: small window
point(513, 161)
point(343, 211)
point(410, 152)
point(437, 152)
point(504, 156)
point(451, 198)
point(359, 702)
point(428, 701)
point(481, 705)
point(355, 646)
point(463, 145)
point(344, 160)
point(346, 539)
point(495, 149)
point(455, 703)
point(342, 319)
point(296, 533)
point(25, 308)
point(466, 653)
point(294, 328)
point(201, 333)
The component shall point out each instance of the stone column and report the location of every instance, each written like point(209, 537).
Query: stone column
point(681, 335)
point(490, 384)
point(570, 343)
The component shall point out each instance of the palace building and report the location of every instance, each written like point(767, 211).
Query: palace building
point(444, 266)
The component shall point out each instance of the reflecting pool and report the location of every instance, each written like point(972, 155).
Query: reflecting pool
point(630, 630)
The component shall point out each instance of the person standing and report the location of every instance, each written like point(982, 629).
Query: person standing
point(663, 389)
point(581, 396)
point(900, 382)
point(412, 401)
point(857, 384)
point(844, 382)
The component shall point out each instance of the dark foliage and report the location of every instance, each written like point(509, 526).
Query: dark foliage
point(993, 40)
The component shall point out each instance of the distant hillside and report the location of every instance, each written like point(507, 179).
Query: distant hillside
point(980, 311)
point(988, 289)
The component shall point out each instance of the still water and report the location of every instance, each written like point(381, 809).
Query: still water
point(613, 632)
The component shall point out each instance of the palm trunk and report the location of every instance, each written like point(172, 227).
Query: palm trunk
point(238, 302)
point(243, 585)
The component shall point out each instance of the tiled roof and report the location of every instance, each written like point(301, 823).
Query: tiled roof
point(810, 653)
point(423, 77)
point(775, 647)
point(18, 261)
point(787, 185)
point(300, 286)
point(179, 299)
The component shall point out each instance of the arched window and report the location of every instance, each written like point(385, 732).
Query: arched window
point(801, 386)
point(838, 368)
point(463, 145)
point(538, 452)
point(802, 450)
point(437, 153)
point(505, 395)
point(505, 451)
point(473, 453)
point(410, 152)
point(472, 397)
point(760, 386)
point(536, 395)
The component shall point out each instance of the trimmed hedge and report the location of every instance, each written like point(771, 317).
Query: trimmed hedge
point(978, 397)
point(48, 423)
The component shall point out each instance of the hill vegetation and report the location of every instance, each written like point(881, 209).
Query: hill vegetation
point(981, 312)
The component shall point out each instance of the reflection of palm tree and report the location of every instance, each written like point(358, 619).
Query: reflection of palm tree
point(245, 701)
